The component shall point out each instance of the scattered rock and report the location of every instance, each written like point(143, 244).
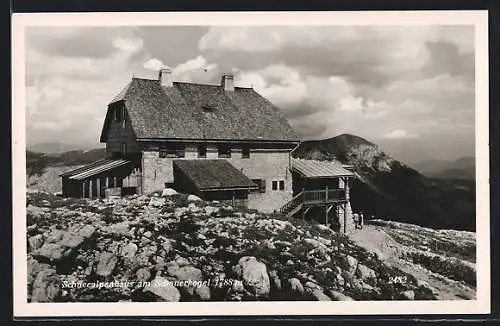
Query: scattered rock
point(337, 296)
point(35, 242)
point(107, 264)
point(320, 296)
point(203, 292)
point(352, 263)
point(163, 290)
point(364, 272)
point(181, 261)
point(254, 275)
point(46, 287)
point(209, 210)
point(193, 198)
point(408, 295)
point(52, 252)
point(185, 273)
point(129, 250)
point(295, 285)
point(157, 202)
point(168, 192)
point(276, 280)
point(143, 274)
point(340, 280)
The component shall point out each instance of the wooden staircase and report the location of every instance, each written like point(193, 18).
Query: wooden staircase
point(293, 206)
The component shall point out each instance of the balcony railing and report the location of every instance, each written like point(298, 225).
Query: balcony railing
point(321, 196)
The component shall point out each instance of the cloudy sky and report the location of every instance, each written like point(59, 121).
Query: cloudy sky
point(409, 89)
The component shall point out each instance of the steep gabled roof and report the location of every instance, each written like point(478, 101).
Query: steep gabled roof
point(200, 111)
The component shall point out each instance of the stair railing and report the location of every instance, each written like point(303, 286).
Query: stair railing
point(292, 203)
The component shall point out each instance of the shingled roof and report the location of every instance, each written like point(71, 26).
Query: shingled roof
point(200, 111)
point(209, 175)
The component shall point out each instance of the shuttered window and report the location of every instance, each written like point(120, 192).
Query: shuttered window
point(224, 151)
point(202, 151)
point(245, 153)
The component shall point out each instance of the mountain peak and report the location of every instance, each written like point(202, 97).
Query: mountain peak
point(351, 140)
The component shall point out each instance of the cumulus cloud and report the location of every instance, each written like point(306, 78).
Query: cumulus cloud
point(153, 64)
point(328, 80)
point(400, 134)
point(128, 45)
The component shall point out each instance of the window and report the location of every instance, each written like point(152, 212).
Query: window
point(245, 152)
point(261, 183)
point(124, 118)
point(224, 151)
point(275, 185)
point(282, 185)
point(173, 151)
point(202, 151)
point(119, 112)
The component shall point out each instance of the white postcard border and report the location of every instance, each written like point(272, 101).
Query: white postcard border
point(479, 306)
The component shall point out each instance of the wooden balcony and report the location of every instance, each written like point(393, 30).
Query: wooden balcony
point(310, 198)
point(315, 197)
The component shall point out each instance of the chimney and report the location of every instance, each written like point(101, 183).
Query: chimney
point(227, 82)
point(165, 78)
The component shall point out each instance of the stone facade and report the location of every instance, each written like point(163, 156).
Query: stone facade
point(267, 164)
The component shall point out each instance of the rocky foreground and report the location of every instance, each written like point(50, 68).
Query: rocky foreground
point(179, 248)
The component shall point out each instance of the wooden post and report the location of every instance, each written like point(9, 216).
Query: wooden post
point(114, 182)
point(107, 182)
point(90, 188)
point(232, 201)
point(83, 189)
point(326, 215)
point(326, 194)
point(98, 187)
point(345, 217)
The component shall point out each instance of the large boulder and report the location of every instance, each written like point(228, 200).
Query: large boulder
point(46, 287)
point(254, 276)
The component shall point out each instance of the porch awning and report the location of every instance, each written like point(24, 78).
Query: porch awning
point(94, 169)
point(214, 175)
point(320, 169)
